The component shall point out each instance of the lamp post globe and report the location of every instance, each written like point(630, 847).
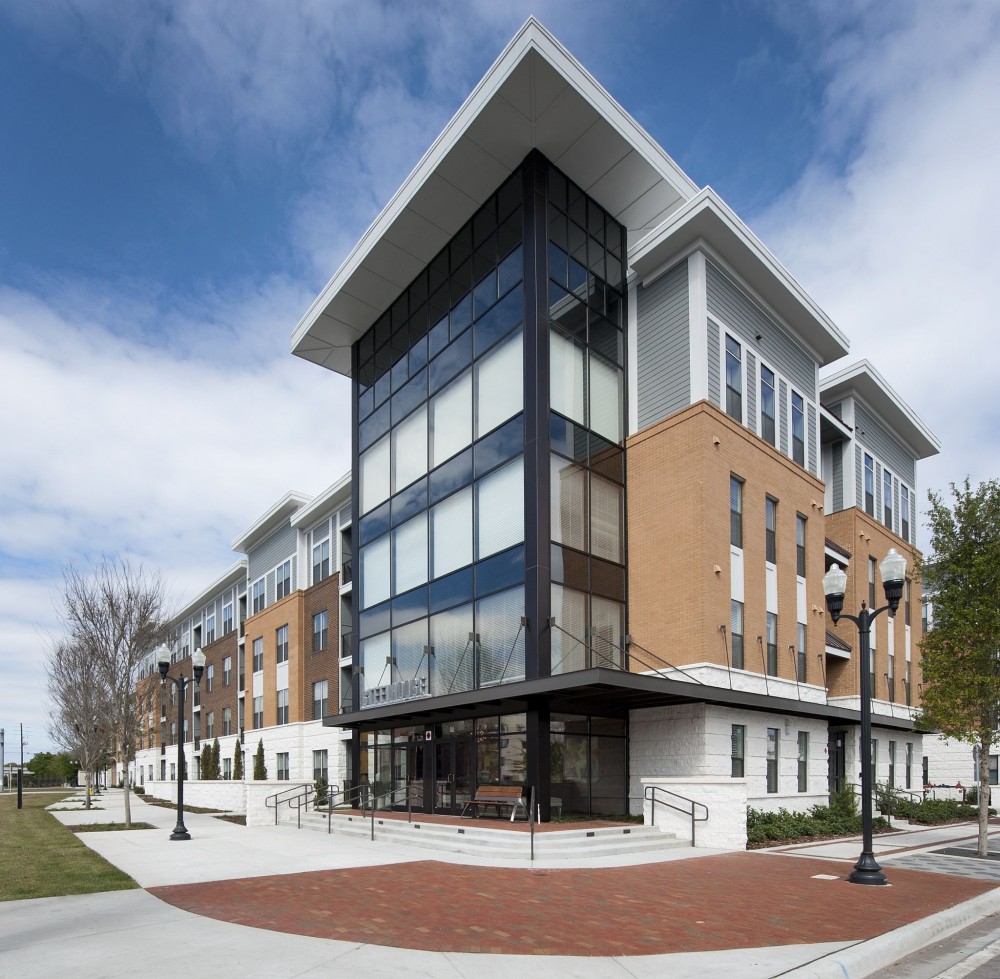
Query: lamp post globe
point(893, 571)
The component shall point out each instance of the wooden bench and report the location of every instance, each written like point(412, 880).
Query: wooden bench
point(497, 796)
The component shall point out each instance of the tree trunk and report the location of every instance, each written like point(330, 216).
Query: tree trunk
point(125, 786)
point(86, 786)
point(984, 795)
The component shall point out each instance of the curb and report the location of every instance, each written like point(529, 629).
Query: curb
point(864, 958)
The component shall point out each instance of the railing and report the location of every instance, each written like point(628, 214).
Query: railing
point(651, 797)
point(298, 797)
point(883, 795)
point(353, 797)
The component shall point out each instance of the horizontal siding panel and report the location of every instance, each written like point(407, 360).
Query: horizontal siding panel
point(881, 442)
point(782, 352)
point(664, 354)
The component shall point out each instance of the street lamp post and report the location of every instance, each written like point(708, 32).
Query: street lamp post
point(182, 683)
point(893, 571)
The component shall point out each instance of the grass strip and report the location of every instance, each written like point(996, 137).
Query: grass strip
point(39, 857)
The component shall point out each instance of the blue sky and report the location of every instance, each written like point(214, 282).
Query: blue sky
point(179, 178)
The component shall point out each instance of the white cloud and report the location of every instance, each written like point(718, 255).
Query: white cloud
point(893, 226)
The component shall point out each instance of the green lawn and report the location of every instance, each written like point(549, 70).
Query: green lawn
point(39, 857)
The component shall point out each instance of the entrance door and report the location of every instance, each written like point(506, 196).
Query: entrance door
point(835, 761)
point(408, 775)
point(453, 774)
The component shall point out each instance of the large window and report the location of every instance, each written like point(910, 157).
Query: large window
point(209, 628)
point(320, 561)
point(904, 513)
point(320, 631)
point(227, 721)
point(320, 765)
point(768, 415)
point(887, 498)
point(284, 772)
point(803, 768)
point(738, 740)
point(227, 619)
point(320, 699)
point(227, 670)
point(735, 511)
point(869, 485)
point(734, 379)
point(800, 545)
point(258, 654)
point(258, 713)
point(736, 633)
point(772, 759)
point(801, 660)
point(770, 530)
point(258, 594)
point(282, 715)
point(772, 644)
point(283, 579)
point(281, 643)
point(210, 724)
point(798, 429)
point(209, 677)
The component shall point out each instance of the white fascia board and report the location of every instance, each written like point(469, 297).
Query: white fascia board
point(333, 349)
point(233, 575)
point(838, 423)
point(289, 504)
point(863, 380)
point(331, 499)
point(706, 216)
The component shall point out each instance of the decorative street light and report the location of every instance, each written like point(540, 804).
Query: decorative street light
point(893, 571)
point(182, 683)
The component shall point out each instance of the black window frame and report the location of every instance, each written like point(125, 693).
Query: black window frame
point(735, 513)
point(798, 429)
point(768, 419)
point(770, 530)
point(737, 750)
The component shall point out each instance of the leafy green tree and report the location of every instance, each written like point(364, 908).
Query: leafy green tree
point(207, 768)
point(216, 760)
point(238, 762)
point(961, 651)
point(259, 768)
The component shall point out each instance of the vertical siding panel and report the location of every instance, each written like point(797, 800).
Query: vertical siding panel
point(714, 367)
point(812, 458)
point(838, 476)
point(783, 416)
point(751, 391)
point(664, 351)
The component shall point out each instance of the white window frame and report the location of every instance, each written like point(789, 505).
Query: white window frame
point(258, 591)
point(280, 567)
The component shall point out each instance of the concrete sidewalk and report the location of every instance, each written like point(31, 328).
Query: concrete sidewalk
point(307, 878)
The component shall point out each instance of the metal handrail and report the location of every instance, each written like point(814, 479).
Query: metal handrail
point(650, 796)
point(884, 792)
point(293, 793)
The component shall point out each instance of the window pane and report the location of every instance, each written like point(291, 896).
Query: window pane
point(408, 644)
point(451, 530)
point(454, 657)
point(501, 637)
point(499, 384)
point(566, 377)
point(374, 662)
point(409, 553)
point(451, 419)
point(605, 399)
point(409, 448)
point(569, 608)
point(569, 503)
point(500, 509)
point(606, 518)
point(375, 475)
point(375, 573)
point(607, 620)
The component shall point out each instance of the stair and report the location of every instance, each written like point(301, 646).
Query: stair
point(476, 840)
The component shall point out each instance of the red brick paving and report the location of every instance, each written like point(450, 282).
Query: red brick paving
point(737, 900)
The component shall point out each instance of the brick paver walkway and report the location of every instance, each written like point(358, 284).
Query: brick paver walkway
point(738, 900)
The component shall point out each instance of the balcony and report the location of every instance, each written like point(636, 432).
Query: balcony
point(347, 571)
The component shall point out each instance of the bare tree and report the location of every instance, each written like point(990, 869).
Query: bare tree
point(80, 706)
point(115, 612)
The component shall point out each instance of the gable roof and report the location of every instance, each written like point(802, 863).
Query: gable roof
point(535, 96)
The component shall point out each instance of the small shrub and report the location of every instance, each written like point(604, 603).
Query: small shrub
point(764, 828)
point(138, 790)
point(321, 787)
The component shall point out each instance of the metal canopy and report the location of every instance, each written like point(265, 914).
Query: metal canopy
point(607, 693)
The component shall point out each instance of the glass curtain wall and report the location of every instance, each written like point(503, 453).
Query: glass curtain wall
point(441, 470)
point(585, 259)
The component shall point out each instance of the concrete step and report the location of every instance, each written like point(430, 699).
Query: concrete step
point(477, 840)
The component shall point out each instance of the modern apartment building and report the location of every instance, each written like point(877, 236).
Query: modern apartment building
point(597, 477)
point(273, 629)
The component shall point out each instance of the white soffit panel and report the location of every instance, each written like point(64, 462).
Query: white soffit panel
point(536, 95)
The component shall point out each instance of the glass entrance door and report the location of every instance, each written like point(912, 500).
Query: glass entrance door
point(835, 761)
point(408, 775)
point(453, 783)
